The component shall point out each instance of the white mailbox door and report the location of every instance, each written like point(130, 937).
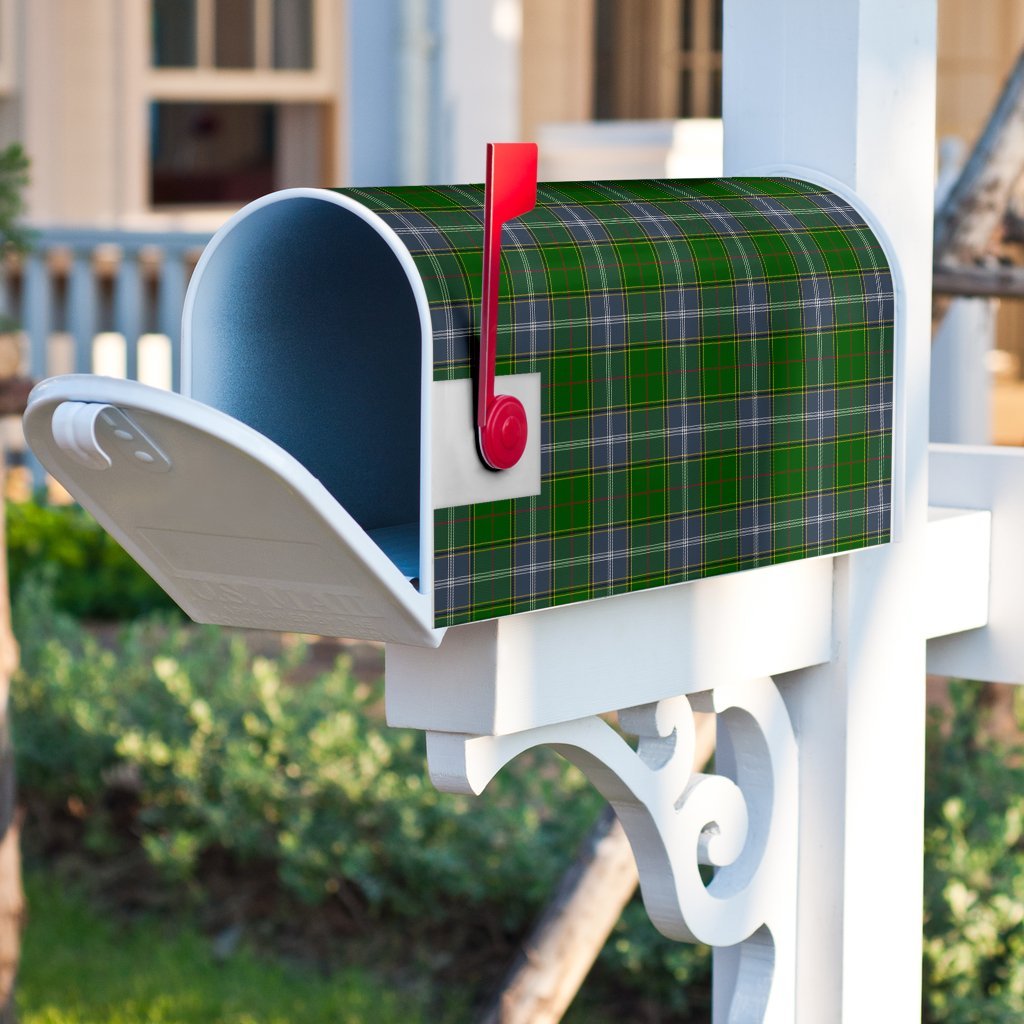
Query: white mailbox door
point(231, 526)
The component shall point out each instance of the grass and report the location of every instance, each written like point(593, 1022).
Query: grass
point(79, 968)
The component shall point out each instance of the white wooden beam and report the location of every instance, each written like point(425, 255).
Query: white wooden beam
point(993, 479)
point(956, 590)
point(524, 671)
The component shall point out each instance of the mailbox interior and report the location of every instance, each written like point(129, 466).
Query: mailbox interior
point(304, 320)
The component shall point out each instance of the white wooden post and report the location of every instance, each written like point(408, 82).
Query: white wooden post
point(848, 89)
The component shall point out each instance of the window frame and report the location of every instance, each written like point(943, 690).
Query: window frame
point(262, 83)
point(144, 85)
point(646, 79)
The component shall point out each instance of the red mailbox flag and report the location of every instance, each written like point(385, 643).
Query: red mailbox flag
point(511, 190)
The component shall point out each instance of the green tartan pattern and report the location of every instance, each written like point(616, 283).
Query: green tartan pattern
point(716, 370)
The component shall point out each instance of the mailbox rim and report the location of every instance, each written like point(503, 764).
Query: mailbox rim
point(408, 266)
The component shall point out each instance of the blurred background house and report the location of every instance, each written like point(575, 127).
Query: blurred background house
point(166, 114)
point(149, 122)
point(172, 113)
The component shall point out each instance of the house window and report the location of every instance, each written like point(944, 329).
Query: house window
point(234, 34)
point(242, 99)
point(174, 33)
point(256, 35)
point(227, 154)
point(700, 58)
point(658, 58)
point(212, 152)
point(293, 34)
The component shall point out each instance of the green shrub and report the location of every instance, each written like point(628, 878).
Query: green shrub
point(90, 573)
point(226, 755)
point(974, 869)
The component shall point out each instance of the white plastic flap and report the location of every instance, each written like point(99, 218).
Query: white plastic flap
point(228, 523)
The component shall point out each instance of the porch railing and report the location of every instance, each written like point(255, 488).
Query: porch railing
point(102, 301)
point(98, 301)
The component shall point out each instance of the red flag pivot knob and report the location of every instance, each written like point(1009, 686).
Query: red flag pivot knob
point(503, 435)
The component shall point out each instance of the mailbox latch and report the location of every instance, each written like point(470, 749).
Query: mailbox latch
point(89, 431)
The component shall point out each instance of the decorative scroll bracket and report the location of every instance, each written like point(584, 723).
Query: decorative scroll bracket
point(743, 822)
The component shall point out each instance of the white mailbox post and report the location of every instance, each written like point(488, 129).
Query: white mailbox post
point(849, 88)
point(255, 502)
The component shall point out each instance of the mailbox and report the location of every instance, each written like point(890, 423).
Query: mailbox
point(705, 368)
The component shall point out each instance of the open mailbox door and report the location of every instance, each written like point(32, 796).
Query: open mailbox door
point(234, 528)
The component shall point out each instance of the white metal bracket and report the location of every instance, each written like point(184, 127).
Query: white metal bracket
point(742, 821)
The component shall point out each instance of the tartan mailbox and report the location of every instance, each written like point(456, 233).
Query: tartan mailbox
point(705, 368)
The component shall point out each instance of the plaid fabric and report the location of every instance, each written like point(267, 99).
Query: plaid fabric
point(716, 361)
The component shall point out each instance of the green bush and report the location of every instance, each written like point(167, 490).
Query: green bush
point(226, 754)
point(91, 574)
point(974, 869)
point(227, 757)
